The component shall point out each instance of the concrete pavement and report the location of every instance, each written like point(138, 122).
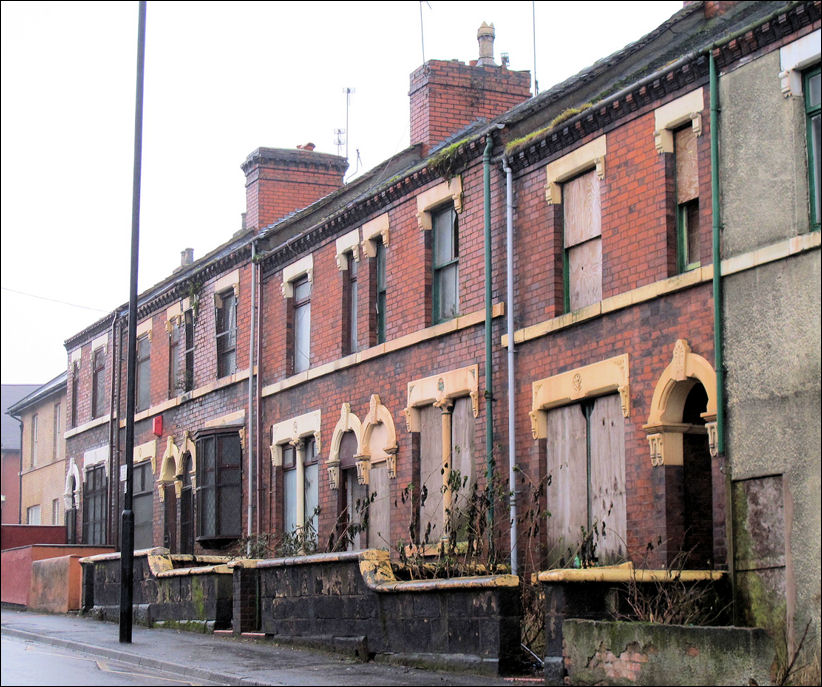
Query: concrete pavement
point(224, 659)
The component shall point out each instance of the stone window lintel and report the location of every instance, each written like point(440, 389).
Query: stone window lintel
point(674, 114)
point(439, 194)
point(592, 154)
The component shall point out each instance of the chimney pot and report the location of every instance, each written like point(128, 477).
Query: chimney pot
point(485, 38)
point(186, 257)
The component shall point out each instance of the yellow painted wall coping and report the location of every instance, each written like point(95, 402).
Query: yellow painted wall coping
point(222, 569)
point(627, 573)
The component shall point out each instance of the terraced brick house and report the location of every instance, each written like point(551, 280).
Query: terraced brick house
point(534, 283)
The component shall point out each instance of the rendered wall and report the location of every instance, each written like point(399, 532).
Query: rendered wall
point(772, 355)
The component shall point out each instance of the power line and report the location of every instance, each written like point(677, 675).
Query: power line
point(53, 300)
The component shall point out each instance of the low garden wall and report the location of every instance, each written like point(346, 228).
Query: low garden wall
point(171, 590)
point(598, 594)
point(618, 653)
point(353, 601)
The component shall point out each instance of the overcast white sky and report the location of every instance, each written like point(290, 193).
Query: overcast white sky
point(221, 79)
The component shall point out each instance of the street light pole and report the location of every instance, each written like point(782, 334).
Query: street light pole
point(127, 518)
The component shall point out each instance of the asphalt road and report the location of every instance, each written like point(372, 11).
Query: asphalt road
point(25, 662)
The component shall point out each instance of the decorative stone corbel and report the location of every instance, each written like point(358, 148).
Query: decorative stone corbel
point(656, 447)
point(391, 462)
point(276, 456)
point(625, 399)
point(363, 469)
point(712, 438)
point(333, 467)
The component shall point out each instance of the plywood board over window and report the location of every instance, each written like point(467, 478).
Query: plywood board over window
point(462, 449)
point(586, 461)
point(582, 228)
point(430, 473)
point(687, 175)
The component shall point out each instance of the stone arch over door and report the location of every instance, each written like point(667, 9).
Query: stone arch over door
point(167, 490)
point(380, 417)
point(348, 422)
point(71, 495)
point(681, 433)
point(665, 428)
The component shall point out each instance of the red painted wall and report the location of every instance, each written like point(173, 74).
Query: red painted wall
point(16, 567)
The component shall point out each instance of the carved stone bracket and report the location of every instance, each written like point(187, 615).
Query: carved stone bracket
point(333, 468)
point(391, 462)
point(711, 427)
point(657, 450)
point(363, 469)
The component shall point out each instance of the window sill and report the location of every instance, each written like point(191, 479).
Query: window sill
point(732, 265)
point(433, 332)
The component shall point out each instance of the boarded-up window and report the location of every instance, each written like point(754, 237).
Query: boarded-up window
point(687, 198)
point(586, 461)
point(582, 218)
point(430, 474)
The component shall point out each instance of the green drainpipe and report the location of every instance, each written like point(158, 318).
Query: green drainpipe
point(717, 284)
point(489, 421)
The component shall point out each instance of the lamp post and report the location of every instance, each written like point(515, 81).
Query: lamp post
point(127, 517)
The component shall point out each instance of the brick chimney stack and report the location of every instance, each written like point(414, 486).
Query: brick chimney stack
point(279, 181)
point(448, 95)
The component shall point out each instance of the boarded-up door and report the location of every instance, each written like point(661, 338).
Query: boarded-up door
point(607, 478)
point(379, 488)
point(586, 461)
point(462, 458)
point(567, 493)
point(430, 474)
